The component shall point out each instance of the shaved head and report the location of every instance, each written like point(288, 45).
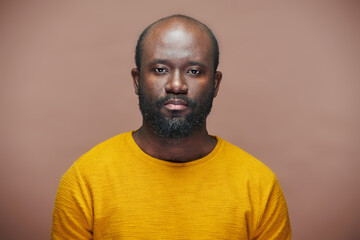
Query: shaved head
point(181, 19)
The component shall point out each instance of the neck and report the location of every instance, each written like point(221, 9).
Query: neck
point(187, 149)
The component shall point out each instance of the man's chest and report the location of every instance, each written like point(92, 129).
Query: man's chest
point(152, 209)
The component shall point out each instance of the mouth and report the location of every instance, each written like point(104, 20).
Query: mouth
point(175, 104)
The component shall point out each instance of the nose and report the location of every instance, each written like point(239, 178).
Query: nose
point(176, 84)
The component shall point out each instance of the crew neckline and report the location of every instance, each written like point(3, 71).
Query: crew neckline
point(138, 151)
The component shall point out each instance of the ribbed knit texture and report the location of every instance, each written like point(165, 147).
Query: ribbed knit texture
point(116, 191)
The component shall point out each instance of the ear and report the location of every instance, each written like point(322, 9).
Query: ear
point(217, 80)
point(135, 73)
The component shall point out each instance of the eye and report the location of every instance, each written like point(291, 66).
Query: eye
point(194, 71)
point(159, 70)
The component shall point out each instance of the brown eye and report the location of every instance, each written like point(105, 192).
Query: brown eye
point(159, 70)
point(194, 71)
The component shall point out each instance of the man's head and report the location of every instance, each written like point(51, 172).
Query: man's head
point(176, 77)
point(139, 45)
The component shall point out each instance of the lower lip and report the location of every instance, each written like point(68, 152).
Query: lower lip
point(175, 106)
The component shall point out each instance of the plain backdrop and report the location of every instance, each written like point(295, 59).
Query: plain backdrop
point(289, 96)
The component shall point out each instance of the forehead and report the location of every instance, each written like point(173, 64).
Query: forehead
point(178, 41)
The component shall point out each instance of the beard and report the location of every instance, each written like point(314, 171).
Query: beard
point(175, 127)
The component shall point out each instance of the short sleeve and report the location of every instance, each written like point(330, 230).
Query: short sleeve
point(274, 222)
point(72, 215)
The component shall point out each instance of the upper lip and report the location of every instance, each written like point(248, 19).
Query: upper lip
point(176, 102)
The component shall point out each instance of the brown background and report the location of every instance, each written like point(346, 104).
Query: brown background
point(289, 96)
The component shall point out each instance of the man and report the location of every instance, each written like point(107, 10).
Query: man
point(170, 179)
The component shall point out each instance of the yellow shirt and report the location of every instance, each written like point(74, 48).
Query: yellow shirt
point(116, 191)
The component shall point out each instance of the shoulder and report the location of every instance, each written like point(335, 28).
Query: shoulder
point(101, 162)
point(103, 157)
point(243, 162)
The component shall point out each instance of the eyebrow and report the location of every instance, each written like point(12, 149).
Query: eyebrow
point(197, 63)
point(158, 61)
point(163, 61)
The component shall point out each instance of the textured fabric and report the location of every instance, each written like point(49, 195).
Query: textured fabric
point(116, 191)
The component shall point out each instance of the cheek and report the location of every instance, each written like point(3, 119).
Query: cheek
point(152, 92)
point(151, 84)
point(199, 89)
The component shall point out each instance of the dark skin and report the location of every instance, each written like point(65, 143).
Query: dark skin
point(177, 59)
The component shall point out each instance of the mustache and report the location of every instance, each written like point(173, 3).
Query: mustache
point(161, 101)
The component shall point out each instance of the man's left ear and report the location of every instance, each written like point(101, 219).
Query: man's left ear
point(217, 80)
